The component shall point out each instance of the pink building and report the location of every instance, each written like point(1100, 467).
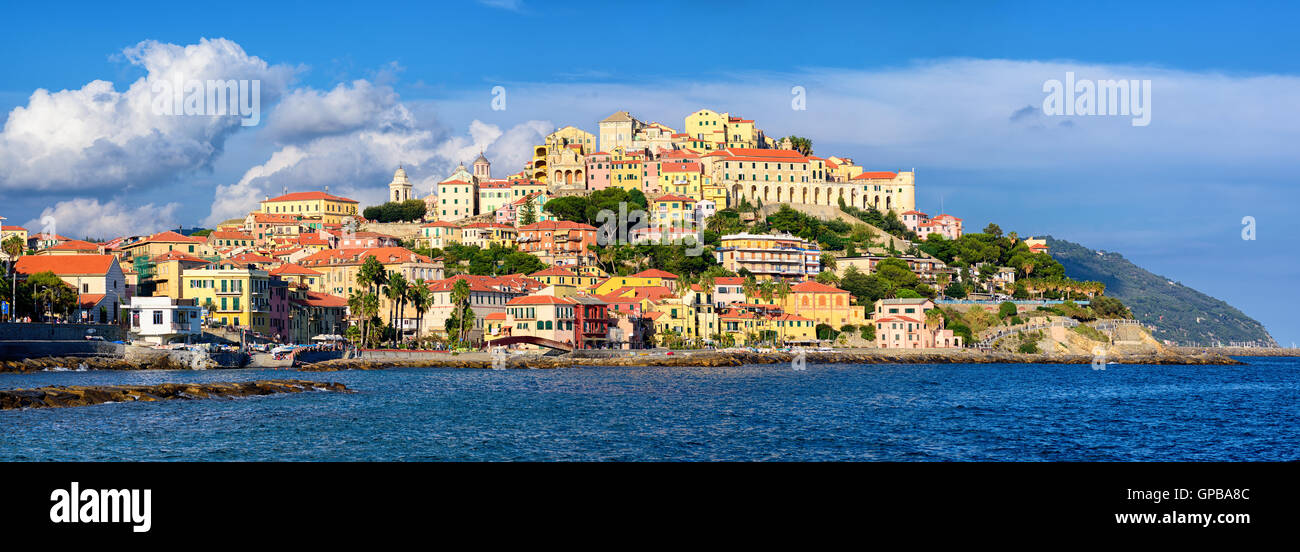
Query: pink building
point(913, 219)
point(947, 226)
point(598, 172)
point(902, 324)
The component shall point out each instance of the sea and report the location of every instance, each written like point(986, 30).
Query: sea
point(832, 412)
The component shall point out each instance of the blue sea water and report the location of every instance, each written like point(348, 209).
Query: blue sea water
point(826, 412)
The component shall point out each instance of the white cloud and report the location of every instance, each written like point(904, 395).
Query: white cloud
point(85, 217)
point(97, 138)
point(307, 113)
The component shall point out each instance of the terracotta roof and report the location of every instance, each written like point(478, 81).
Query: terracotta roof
point(75, 245)
point(554, 271)
point(301, 196)
point(816, 287)
point(317, 299)
point(556, 225)
point(178, 256)
point(654, 273)
point(291, 268)
point(876, 175)
point(358, 255)
point(13, 228)
point(225, 235)
point(495, 316)
point(89, 299)
point(539, 300)
point(671, 197)
point(97, 265)
point(170, 236)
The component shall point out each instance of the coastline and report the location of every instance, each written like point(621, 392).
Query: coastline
point(741, 358)
point(677, 359)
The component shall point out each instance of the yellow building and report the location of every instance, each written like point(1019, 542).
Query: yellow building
point(646, 278)
point(672, 210)
point(626, 172)
point(485, 234)
point(559, 276)
point(330, 208)
point(340, 266)
point(235, 295)
point(524, 188)
point(438, 235)
point(167, 272)
point(457, 199)
point(707, 126)
point(8, 230)
point(686, 179)
point(824, 304)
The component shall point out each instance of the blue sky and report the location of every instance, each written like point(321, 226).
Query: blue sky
point(893, 85)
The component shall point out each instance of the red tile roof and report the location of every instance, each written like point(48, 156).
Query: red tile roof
point(671, 197)
point(97, 265)
point(873, 175)
point(302, 196)
point(654, 273)
point(294, 269)
point(554, 271)
point(816, 287)
point(539, 300)
point(75, 245)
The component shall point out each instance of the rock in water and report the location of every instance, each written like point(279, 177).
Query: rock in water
point(85, 395)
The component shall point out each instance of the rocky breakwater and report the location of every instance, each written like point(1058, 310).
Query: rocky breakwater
point(85, 395)
point(161, 362)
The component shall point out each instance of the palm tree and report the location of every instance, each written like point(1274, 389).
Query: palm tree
point(460, 294)
point(828, 261)
point(421, 298)
point(749, 287)
point(396, 293)
point(13, 248)
point(357, 306)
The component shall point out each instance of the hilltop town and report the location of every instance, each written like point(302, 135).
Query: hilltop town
point(637, 236)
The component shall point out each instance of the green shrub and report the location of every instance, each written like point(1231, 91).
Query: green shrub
point(1029, 347)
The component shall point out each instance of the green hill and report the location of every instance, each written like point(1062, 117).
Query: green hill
point(1179, 313)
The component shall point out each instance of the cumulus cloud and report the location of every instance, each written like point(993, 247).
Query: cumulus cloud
point(85, 217)
point(98, 138)
point(307, 113)
point(359, 164)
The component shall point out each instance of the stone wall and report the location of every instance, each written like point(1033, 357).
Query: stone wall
point(18, 349)
point(402, 230)
point(10, 331)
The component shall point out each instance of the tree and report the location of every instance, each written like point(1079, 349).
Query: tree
point(801, 144)
point(397, 288)
point(421, 298)
point(828, 261)
point(1110, 307)
point(1006, 310)
point(394, 211)
point(993, 230)
point(955, 290)
point(570, 208)
point(527, 212)
point(460, 295)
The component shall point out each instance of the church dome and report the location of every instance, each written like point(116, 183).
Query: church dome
point(480, 159)
point(400, 174)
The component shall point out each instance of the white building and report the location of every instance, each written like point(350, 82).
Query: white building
point(161, 320)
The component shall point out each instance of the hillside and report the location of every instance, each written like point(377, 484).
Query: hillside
point(1179, 313)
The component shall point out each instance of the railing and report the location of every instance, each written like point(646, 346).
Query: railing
point(1022, 328)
